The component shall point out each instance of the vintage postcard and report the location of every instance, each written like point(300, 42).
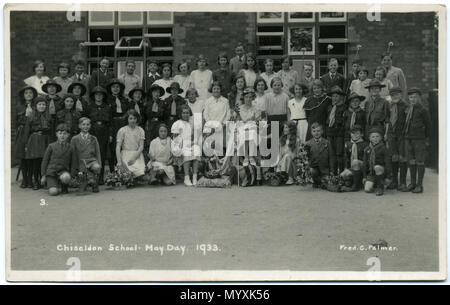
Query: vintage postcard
point(225, 142)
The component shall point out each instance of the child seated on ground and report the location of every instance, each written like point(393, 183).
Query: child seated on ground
point(376, 164)
point(320, 154)
point(56, 163)
point(86, 157)
point(288, 151)
point(353, 159)
point(160, 154)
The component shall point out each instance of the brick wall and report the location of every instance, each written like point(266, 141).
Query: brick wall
point(415, 44)
point(211, 33)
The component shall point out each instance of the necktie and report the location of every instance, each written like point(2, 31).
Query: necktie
point(353, 118)
point(118, 105)
point(155, 106)
point(79, 106)
point(354, 155)
point(28, 111)
point(408, 118)
point(332, 117)
point(136, 107)
point(51, 107)
point(79, 78)
point(394, 115)
point(173, 109)
point(372, 155)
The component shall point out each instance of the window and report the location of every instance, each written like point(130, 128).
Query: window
point(131, 18)
point(332, 16)
point(301, 17)
point(159, 17)
point(301, 40)
point(160, 42)
point(270, 40)
point(270, 17)
point(101, 18)
point(130, 42)
point(101, 42)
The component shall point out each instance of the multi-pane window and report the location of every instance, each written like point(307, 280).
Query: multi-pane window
point(307, 37)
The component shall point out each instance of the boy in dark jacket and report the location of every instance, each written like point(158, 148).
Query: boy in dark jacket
point(396, 139)
point(354, 159)
point(354, 115)
point(321, 156)
point(377, 109)
point(377, 163)
point(417, 132)
point(335, 126)
point(56, 164)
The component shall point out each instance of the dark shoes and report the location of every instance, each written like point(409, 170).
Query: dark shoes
point(379, 191)
point(418, 189)
point(36, 186)
point(411, 187)
point(95, 188)
point(402, 188)
point(64, 189)
point(392, 186)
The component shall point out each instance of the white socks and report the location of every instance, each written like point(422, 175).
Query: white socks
point(187, 181)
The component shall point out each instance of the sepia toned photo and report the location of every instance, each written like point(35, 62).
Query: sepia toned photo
point(197, 142)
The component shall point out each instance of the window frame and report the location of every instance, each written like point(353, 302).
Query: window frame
point(120, 23)
point(159, 22)
point(102, 23)
point(260, 20)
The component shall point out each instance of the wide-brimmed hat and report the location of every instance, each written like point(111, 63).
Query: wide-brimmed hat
point(376, 129)
point(375, 83)
point(395, 90)
point(130, 94)
point(51, 82)
point(21, 91)
point(72, 85)
point(97, 89)
point(356, 95)
point(336, 90)
point(174, 85)
point(414, 90)
point(156, 87)
point(114, 81)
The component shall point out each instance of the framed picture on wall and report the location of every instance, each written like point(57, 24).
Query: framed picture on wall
point(333, 16)
point(299, 66)
point(269, 17)
point(301, 40)
point(300, 17)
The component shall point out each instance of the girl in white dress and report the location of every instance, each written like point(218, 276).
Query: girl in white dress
point(38, 79)
point(202, 78)
point(250, 71)
point(166, 79)
point(259, 102)
point(183, 77)
point(160, 154)
point(130, 144)
point(186, 141)
point(296, 112)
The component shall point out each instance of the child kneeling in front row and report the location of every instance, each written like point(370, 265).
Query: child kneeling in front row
point(86, 157)
point(377, 163)
point(56, 163)
point(320, 153)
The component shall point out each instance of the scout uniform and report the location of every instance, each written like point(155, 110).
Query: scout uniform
point(57, 161)
point(69, 117)
point(174, 104)
point(321, 158)
point(316, 108)
point(354, 152)
point(335, 129)
point(23, 112)
point(100, 78)
point(139, 105)
point(81, 102)
point(377, 109)
point(119, 107)
point(417, 131)
point(54, 104)
point(354, 117)
point(101, 118)
point(396, 141)
point(376, 156)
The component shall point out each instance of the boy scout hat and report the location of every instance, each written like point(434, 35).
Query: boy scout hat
point(156, 87)
point(376, 130)
point(174, 85)
point(51, 82)
point(62, 127)
point(130, 94)
point(395, 90)
point(337, 90)
point(97, 89)
point(21, 91)
point(415, 90)
point(375, 83)
point(39, 99)
point(356, 95)
point(114, 81)
point(72, 85)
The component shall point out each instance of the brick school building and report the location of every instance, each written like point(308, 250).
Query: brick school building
point(171, 37)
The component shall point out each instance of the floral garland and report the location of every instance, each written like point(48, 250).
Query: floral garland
point(302, 165)
point(119, 177)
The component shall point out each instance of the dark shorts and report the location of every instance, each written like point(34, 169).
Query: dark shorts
point(416, 150)
point(396, 145)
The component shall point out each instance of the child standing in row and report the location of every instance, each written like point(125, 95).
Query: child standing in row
point(154, 113)
point(57, 163)
point(377, 109)
point(86, 154)
point(69, 115)
point(224, 75)
point(260, 88)
point(166, 80)
point(268, 74)
point(202, 78)
point(196, 105)
point(354, 115)
point(235, 97)
point(316, 107)
point(78, 89)
point(296, 111)
point(277, 102)
point(359, 85)
point(183, 77)
point(250, 70)
point(289, 77)
point(249, 116)
point(175, 102)
point(333, 77)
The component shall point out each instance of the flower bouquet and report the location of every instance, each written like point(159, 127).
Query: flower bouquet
point(334, 183)
point(302, 165)
point(276, 178)
point(120, 177)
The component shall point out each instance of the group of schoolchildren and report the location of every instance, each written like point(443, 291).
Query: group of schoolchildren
point(364, 131)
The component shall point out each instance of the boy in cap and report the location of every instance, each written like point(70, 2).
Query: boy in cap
point(417, 132)
point(56, 164)
point(354, 159)
point(377, 162)
point(335, 126)
point(354, 114)
point(174, 103)
point(377, 109)
point(396, 138)
point(321, 156)
point(87, 159)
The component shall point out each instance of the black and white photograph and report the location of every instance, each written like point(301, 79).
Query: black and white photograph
point(234, 142)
